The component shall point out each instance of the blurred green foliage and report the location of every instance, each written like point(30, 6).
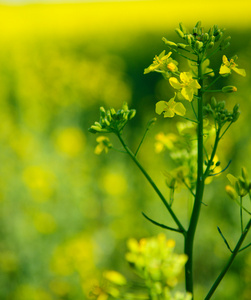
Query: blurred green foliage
point(66, 213)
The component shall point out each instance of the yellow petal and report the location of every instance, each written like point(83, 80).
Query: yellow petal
point(175, 83)
point(169, 114)
point(195, 85)
point(184, 76)
point(160, 107)
point(224, 70)
point(232, 179)
point(187, 93)
point(179, 109)
point(241, 72)
point(225, 60)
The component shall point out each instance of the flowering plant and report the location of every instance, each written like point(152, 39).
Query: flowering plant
point(195, 156)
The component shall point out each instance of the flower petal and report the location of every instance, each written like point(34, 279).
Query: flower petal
point(224, 70)
point(241, 72)
point(160, 107)
point(185, 77)
point(175, 83)
point(225, 60)
point(187, 93)
point(179, 109)
point(169, 113)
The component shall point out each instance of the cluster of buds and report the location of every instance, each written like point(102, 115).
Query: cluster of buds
point(240, 186)
point(199, 40)
point(220, 113)
point(112, 121)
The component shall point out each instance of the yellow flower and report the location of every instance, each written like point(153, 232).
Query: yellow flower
point(170, 108)
point(165, 141)
point(188, 85)
point(103, 145)
point(228, 65)
point(163, 64)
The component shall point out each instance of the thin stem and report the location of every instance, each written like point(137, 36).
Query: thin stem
point(229, 262)
point(225, 130)
point(241, 215)
point(176, 220)
point(189, 119)
point(161, 225)
point(218, 77)
point(194, 111)
point(145, 133)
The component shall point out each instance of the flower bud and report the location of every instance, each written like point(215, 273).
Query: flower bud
point(179, 32)
point(131, 114)
point(236, 116)
point(113, 112)
point(236, 107)
point(95, 129)
point(221, 104)
point(229, 89)
point(206, 37)
point(210, 45)
point(198, 45)
point(182, 46)
point(231, 192)
point(102, 112)
point(182, 28)
point(213, 102)
point(169, 43)
point(244, 174)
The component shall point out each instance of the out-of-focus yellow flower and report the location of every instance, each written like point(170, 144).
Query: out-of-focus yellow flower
point(115, 277)
point(41, 181)
point(59, 287)
point(229, 65)
point(164, 141)
point(26, 291)
point(114, 183)
point(188, 85)
point(170, 108)
point(70, 141)
point(103, 145)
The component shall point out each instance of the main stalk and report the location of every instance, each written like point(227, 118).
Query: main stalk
point(189, 238)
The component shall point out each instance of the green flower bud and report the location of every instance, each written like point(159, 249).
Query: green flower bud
point(221, 105)
point(107, 123)
point(213, 102)
point(210, 45)
point(198, 45)
point(245, 175)
point(236, 116)
point(206, 37)
point(102, 112)
point(98, 124)
point(229, 89)
point(131, 114)
point(183, 28)
point(179, 32)
point(95, 129)
point(113, 112)
point(169, 43)
point(109, 116)
point(210, 32)
point(182, 46)
point(217, 164)
point(236, 108)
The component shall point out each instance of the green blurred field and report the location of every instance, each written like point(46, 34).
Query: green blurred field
point(65, 213)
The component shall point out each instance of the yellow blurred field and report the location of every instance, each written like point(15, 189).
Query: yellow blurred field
point(97, 18)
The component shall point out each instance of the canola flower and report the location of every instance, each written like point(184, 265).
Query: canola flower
point(188, 85)
point(229, 65)
point(163, 64)
point(170, 108)
point(103, 145)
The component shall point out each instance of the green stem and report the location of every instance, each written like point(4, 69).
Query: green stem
point(189, 238)
point(229, 262)
point(133, 157)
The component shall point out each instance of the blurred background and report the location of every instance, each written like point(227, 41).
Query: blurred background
point(66, 213)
